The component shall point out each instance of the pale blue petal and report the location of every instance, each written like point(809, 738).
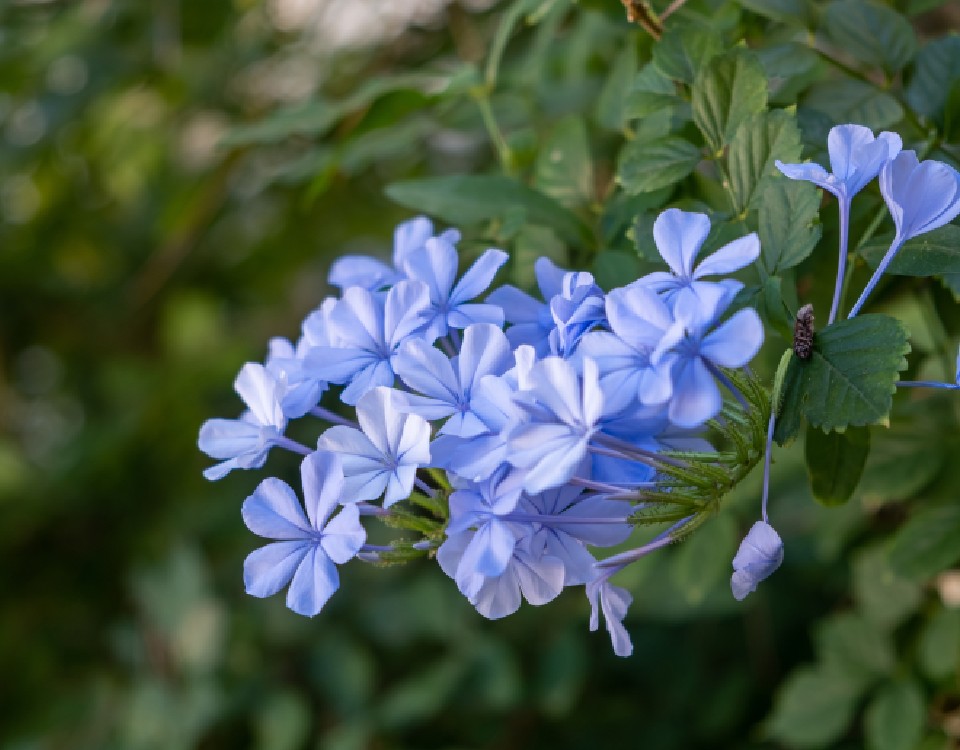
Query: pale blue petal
point(541, 580)
point(273, 511)
point(349, 442)
point(485, 351)
point(843, 142)
point(367, 380)
point(490, 550)
point(451, 552)
point(399, 484)
point(313, 584)
point(405, 311)
point(736, 341)
point(464, 315)
point(321, 474)
point(518, 306)
point(409, 237)
point(696, 397)
point(759, 555)
point(228, 438)
point(497, 597)
point(425, 369)
point(338, 365)
point(549, 277)
point(269, 569)
point(731, 257)
point(679, 236)
point(435, 264)
point(261, 393)
point(343, 536)
point(356, 321)
point(362, 271)
point(478, 277)
point(811, 172)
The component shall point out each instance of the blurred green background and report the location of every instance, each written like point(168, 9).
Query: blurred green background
point(154, 234)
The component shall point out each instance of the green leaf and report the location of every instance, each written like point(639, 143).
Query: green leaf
point(850, 379)
point(774, 308)
point(564, 170)
point(907, 444)
point(788, 223)
point(472, 199)
point(835, 461)
point(936, 68)
point(652, 92)
point(758, 143)
point(928, 543)
point(951, 114)
point(613, 268)
point(684, 49)
point(645, 166)
point(857, 646)
point(851, 100)
point(932, 254)
point(872, 33)
point(792, 400)
point(939, 648)
point(882, 596)
point(895, 717)
point(726, 92)
point(703, 560)
point(813, 707)
point(611, 112)
point(796, 12)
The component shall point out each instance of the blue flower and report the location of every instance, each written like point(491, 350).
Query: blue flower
point(366, 331)
point(436, 265)
point(310, 546)
point(373, 274)
point(855, 158)
point(921, 197)
point(384, 454)
point(303, 390)
point(639, 320)
point(448, 385)
point(245, 442)
point(760, 554)
point(679, 235)
point(578, 308)
point(696, 349)
point(614, 601)
point(531, 320)
point(538, 578)
point(564, 410)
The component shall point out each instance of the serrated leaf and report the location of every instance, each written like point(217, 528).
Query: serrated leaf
point(928, 543)
point(564, 169)
point(684, 49)
point(758, 143)
point(933, 254)
point(895, 716)
point(726, 92)
point(787, 223)
point(937, 66)
point(859, 647)
point(645, 166)
point(813, 707)
point(797, 12)
point(872, 33)
point(850, 379)
point(882, 596)
point(849, 100)
point(472, 199)
point(835, 461)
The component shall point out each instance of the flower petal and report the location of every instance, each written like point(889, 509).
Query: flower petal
point(269, 569)
point(313, 583)
point(679, 236)
point(273, 511)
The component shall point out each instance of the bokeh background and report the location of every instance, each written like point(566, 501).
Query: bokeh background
point(175, 178)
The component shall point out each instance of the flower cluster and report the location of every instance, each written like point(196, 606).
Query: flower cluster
point(516, 434)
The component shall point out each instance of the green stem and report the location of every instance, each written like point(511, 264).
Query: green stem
point(504, 154)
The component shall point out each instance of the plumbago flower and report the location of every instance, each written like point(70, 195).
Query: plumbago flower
point(514, 455)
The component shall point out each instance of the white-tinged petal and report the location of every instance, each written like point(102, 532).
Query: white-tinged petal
point(273, 511)
point(322, 476)
point(270, 568)
point(343, 536)
point(313, 583)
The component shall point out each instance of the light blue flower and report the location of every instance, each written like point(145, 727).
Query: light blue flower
point(310, 546)
point(576, 309)
point(384, 454)
point(436, 264)
point(679, 235)
point(366, 331)
point(614, 601)
point(563, 410)
point(760, 554)
point(448, 385)
point(303, 390)
point(538, 578)
point(638, 319)
point(696, 347)
point(855, 158)
point(245, 442)
point(372, 273)
point(921, 197)
point(531, 320)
